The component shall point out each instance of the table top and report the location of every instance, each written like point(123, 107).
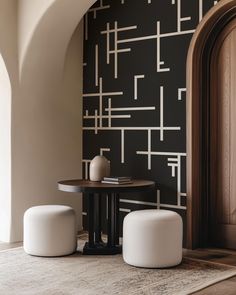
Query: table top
point(87, 186)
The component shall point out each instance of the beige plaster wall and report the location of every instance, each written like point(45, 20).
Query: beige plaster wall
point(8, 90)
point(5, 152)
point(43, 56)
point(47, 141)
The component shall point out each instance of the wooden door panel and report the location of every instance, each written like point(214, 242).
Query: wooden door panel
point(223, 130)
point(232, 206)
point(225, 236)
point(223, 140)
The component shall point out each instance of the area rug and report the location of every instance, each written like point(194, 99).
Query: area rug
point(22, 274)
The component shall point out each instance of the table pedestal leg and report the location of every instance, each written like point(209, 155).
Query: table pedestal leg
point(91, 220)
point(97, 218)
point(113, 224)
point(95, 244)
point(117, 221)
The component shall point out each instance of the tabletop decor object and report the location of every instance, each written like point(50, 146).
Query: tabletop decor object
point(99, 168)
point(117, 180)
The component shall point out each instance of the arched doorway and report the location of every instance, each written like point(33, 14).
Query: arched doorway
point(210, 140)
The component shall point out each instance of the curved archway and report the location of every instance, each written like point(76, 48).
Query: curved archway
point(46, 26)
point(5, 152)
point(198, 96)
point(40, 53)
point(46, 144)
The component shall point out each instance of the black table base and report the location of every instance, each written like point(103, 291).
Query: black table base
point(95, 191)
point(95, 245)
point(101, 249)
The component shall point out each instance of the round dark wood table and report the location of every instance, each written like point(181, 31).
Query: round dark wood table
point(94, 191)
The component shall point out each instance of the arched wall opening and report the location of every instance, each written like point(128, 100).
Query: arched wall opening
point(44, 114)
point(5, 152)
point(202, 85)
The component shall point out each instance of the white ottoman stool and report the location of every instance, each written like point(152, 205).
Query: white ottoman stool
point(50, 230)
point(152, 238)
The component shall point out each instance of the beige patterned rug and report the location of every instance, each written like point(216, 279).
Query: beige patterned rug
point(21, 274)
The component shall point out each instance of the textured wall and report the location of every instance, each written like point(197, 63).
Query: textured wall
point(135, 93)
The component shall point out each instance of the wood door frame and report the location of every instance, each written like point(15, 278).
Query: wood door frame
point(197, 108)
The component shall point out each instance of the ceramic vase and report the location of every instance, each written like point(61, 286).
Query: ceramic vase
point(99, 168)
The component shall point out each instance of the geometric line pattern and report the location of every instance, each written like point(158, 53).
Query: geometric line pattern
point(134, 93)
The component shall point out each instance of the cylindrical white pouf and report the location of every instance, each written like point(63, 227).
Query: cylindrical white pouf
point(50, 230)
point(152, 238)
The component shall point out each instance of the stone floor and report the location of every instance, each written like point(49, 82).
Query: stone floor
point(227, 287)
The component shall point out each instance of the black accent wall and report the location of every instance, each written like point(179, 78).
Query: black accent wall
point(135, 94)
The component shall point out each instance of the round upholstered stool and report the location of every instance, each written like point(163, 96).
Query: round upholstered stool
point(152, 238)
point(50, 230)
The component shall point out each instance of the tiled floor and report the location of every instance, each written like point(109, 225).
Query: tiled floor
point(227, 287)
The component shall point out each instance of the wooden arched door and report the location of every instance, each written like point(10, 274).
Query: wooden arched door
point(211, 130)
point(222, 197)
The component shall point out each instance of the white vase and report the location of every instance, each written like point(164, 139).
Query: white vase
point(99, 168)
